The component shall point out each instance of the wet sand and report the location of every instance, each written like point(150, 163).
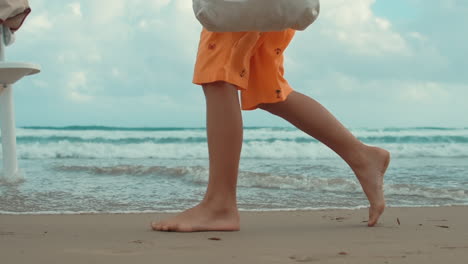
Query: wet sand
point(403, 235)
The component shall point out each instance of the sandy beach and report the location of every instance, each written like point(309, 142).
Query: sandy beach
point(404, 235)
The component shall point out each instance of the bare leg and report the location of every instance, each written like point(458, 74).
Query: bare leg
point(368, 163)
point(218, 210)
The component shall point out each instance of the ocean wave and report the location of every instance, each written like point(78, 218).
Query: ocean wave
point(202, 139)
point(455, 194)
point(250, 132)
point(250, 150)
point(134, 170)
point(115, 128)
point(107, 128)
point(268, 143)
point(199, 175)
point(129, 136)
point(400, 129)
point(101, 140)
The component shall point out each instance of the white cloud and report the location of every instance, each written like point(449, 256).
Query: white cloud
point(424, 92)
point(107, 12)
point(38, 24)
point(359, 30)
point(151, 25)
point(396, 91)
point(103, 12)
point(156, 5)
point(94, 56)
point(342, 82)
point(148, 100)
point(78, 89)
point(418, 36)
point(76, 9)
point(184, 5)
point(116, 72)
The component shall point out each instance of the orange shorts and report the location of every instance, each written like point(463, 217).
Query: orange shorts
point(252, 61)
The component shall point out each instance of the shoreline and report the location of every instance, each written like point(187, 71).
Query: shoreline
point(305, 210)
point(403, 235)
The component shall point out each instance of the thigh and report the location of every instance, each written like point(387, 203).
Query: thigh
point(225, 57)
point(267, 83)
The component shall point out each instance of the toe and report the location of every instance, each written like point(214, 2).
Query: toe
point(176, 228)
point(371, 222)
point(158, 226)
point(374, 215)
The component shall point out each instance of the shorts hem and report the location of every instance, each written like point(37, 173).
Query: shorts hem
point(255, 106)
point(220, 78)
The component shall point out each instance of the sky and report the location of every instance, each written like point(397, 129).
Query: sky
point(372, 63)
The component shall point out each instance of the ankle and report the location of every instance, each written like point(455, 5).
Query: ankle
point(359, 158)
point(219, 205)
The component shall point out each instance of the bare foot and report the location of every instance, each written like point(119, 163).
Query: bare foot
point(201, 218)
point(371, 176)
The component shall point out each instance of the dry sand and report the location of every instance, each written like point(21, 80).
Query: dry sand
point(423, 235)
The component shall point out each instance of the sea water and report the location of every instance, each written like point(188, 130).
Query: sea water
point(112, 169)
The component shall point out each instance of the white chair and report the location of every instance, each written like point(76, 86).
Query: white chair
point(10, 72)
